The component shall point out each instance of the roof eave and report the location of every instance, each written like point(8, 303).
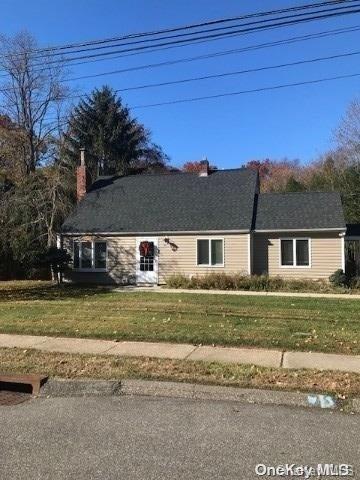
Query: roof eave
point(161, 232)
point(332, 229)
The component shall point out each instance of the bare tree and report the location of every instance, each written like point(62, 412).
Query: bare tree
point(348, 133)
point(55, 200)
point(33, 95)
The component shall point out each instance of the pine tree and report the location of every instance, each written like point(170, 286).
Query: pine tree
point(115, 142)
point(293, 185)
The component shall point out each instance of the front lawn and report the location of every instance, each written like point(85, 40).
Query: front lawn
point(290, 323)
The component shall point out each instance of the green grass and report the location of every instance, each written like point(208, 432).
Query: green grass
point(328, 325)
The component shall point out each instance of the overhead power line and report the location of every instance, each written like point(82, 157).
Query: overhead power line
point(229, 74)
point(155, 48)
point(243, 92)
point(339, 9)
point(234, 73)
point(220, 53)
point(194, 26)
point(239, 72)
point(206, 23)
point(237, 93)
point(213, 36)
point(259, 46)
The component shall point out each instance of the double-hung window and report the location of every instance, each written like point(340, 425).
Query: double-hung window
point(90, 255)
point(295, 252)
point(210, 252)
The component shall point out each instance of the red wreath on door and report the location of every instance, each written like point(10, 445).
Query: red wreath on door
point(146, 249)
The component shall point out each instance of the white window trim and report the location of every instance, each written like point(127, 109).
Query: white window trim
point(209, 265)
point(92, 269)
point(293, 239)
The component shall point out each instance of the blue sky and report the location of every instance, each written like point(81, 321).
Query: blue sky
point(295, 123)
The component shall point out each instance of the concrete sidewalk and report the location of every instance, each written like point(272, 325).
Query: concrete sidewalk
point(252, 356)
point(260, 293)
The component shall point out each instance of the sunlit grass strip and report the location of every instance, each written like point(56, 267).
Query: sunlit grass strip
point(14, 360)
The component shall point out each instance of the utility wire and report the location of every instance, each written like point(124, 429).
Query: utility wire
point(210, 37)
point(192, 26)
point(206, 37)
point(90, 59)
point(242, 92)
point(229, 74)
point(239, 72)
point(222, 53)
point(285, 41)
point(210, 22)
point(231, 94)
point(342, 9)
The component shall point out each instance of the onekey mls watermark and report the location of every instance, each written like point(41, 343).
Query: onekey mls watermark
point(305, 471)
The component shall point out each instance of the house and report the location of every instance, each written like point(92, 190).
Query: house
point(144, 228)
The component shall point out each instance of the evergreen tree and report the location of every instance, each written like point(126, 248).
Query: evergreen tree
point(293, 185)
point(115, 142)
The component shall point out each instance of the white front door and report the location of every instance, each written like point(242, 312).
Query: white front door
point(147, 260)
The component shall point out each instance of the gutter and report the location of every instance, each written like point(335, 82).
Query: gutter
point(339, 229)
point(166, 232)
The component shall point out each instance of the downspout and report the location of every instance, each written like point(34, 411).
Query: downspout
point(59, 246)
point(343, 259)
point(253, 223)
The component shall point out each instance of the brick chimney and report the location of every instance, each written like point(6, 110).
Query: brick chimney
point(204, 168)
point(82, 177)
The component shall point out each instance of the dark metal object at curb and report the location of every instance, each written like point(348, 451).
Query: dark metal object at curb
point(12, 382)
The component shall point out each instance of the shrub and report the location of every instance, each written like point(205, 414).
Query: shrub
point(339, 278)
point(306, 285)
point(56, 259)
point(178, 281)
point(222, 281)
point(355, 283)
point(339, 282)
point(216, 281)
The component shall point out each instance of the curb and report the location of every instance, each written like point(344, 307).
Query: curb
point(56, 387)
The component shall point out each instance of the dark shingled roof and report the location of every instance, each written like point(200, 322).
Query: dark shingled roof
point(224, 200)
point(295, 211)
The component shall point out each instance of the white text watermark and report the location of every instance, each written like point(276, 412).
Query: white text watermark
point(305, 471)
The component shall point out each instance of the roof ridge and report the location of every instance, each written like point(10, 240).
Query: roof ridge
point(168, 174)
point(180, 172)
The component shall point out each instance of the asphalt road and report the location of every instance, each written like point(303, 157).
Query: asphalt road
point(145, 438)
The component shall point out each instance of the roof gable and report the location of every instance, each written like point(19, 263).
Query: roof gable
point(297, 211)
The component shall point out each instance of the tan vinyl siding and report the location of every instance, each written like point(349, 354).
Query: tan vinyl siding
point(326, 255)
point(120, 260)
point(183, 259)
point(177, 256)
